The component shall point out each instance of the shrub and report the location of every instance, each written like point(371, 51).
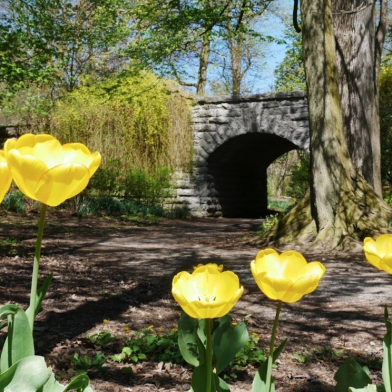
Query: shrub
point(300, 176)
point(141, 126)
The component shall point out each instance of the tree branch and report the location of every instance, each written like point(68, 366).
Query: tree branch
point(295, 17)
point(380, 34)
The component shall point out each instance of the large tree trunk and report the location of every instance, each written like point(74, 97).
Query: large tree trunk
point(358, 62)
point(341, 205)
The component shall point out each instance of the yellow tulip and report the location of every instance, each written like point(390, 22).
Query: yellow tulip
point(5, 175)
point(379, 253)
point(47, 171)
point(207, 292)
point(286, 277)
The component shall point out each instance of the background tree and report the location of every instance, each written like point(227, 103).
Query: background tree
point(176, 36)
point(290, 73)
point(58, 41)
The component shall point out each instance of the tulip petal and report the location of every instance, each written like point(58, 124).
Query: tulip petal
point(268, 261)
point(207, 292)
point(384, 245)
point(292, 264)
point(60, 183)
point(273, 287)
point(289, 281)
point(26, 172)
point(386, 264)
point(5, 176)
point(45, 170)
point(79, 153)
point(306, 284)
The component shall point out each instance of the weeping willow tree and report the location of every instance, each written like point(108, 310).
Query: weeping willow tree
point(342, 51)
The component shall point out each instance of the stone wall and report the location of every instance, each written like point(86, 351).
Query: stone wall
point(235, 140)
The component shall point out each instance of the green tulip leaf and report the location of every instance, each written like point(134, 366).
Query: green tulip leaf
point(260, 380)
point(199, 380)
point(81, 383)
point(27, 375)
point(351, 374)
point(221, 385)
point(387, 360)
point(227, 341)
point(368, 388)
point(279, 350)
point(386, 316)
point(41, 292)
point(19, 343)
point(52, 385)
point(187, 339)
point(8, 310)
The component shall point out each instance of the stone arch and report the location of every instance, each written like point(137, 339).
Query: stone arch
point(238, 170)
point(256, 129)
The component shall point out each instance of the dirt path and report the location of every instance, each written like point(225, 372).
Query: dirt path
point(119, 271)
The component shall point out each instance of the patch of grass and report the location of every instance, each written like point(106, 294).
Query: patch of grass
point(283, 206)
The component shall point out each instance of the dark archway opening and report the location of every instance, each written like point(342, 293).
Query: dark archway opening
point(239, 173)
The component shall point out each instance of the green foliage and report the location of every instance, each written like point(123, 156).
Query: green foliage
point(328, 354)
point(84, 364)
point(55, 42)
point(250, 354)
point(145, 188)
point(228, 340)
point(300, 176)
point(101, 339)
point(385, 99)
point(151, 345)
point(21, 370)
point(351, 374)
point(140, 125)
point(283, 206)
point(325, 354)
point(290, 74)
point(14, 201)
point(268, 222)
point(260, 380)
point(303, 357)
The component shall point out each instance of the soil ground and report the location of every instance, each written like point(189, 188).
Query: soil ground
point(115, 275)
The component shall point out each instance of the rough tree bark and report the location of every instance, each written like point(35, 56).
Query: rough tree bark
point(358, 51)
point(341, 205)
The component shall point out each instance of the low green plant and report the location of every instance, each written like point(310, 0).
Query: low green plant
point(148, 187)
point(102, 339)
point(328, 354)
point(129, 353)
point(250, 354)
point(84, 364)
point(303, 357)
point(152, 345)
point(268, 223)
point(15, 201)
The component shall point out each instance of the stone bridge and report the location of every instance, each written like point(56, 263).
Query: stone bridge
point(235, 140)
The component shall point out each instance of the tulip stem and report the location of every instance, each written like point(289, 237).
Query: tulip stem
point(37, 255)
point(209, 355)
point(272, 345)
